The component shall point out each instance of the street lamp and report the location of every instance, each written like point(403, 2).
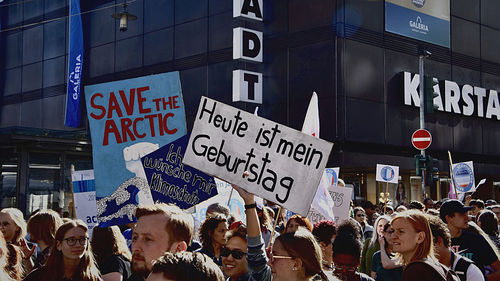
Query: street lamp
point(124, 17)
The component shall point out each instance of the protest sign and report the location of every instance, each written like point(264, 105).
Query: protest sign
point(129, 119)
point(172, 182)
point(333, 175)
point(387, 173)
point(84, 197)
point(463, 176)
point(342, 200)
point(285, 165)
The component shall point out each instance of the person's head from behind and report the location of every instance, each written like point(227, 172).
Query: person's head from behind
point(234, 257)
point(347, 249)
point(12, 225)
point(295, 255)
point(389, 210)
point(412, 237)
point(416, 205)
point(213, 232)
point(401, 208)
point(441, 236)
point(107, 242)
point(295, 221)
point(488, 222)
point(160, 228)
point(428, 203)
point(185, 266)
point(42, 227)
point(325, 233)
point(217, 208)
point(72, 246)
point(477, 206)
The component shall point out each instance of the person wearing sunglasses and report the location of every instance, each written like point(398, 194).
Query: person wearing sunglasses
point(71, 258)
point(234, 260)
point(295, 256)
point(360, 216)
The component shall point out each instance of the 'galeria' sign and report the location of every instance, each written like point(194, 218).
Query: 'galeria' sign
point(247, 45)
point(466, 100)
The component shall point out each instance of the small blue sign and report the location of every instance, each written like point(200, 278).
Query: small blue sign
point(173, 182)
point(463, 177)
point(387, 173)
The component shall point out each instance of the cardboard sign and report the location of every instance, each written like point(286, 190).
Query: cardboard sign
point(84, 197)
point(342, 201)
point(285, 165)
point(333, 175)
point(387, 173)
point(171, 181)
point(129, 119)
point(463, 176)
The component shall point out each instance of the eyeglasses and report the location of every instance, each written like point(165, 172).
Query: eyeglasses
point(72, 241)
point(272, 257)
point(237, 254)
point(345, 268)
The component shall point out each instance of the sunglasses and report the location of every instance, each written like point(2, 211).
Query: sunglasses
point(237, 254)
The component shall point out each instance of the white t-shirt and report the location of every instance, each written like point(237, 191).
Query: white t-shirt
point(473, 272)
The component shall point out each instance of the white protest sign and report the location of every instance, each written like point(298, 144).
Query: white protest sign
point(84, 197)
point(387, 173)
point(285, 165)
point(342, 201)
point(463, 176)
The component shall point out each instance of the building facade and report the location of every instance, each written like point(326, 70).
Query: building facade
point(337, 48)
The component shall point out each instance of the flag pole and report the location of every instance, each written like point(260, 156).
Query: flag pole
point(386, 195)
point(230, 195)
point(274, 227)
point(451, 174)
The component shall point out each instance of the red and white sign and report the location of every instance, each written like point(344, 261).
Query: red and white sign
point(421, 139)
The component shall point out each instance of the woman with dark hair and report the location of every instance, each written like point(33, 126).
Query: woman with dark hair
point(412, 240)
point(325, 233)
point(360, 216)
point(71, 258)
point(400, 194)
point(488, 222)
point(42, 228)
point(378, 271)
point(212, 237)
point(295, 256)
point(111, 253)
point(295, 221)
point(347, 253)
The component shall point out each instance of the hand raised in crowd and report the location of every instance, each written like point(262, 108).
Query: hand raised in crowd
point(25, 248)
point(381, 241)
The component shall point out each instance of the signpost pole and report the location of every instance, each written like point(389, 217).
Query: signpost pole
point(423, 54)
point(386, 196)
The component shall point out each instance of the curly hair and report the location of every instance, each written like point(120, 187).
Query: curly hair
point(300, 220)
point(10, 261)
point(207, 230)
point(324, 230)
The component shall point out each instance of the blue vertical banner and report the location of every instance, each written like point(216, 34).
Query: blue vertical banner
point(75, 66)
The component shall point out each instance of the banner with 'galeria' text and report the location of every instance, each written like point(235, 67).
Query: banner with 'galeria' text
point(284, 165)
point(128, 120)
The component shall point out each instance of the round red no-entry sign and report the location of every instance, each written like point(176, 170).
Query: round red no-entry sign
point(421, 139)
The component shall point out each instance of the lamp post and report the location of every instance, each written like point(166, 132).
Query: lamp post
point(124, 17)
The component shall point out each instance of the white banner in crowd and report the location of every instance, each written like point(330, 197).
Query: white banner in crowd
point(342, 201)
point(387, 173)
point(285, 165)
point(463, 176)
point(84, 197)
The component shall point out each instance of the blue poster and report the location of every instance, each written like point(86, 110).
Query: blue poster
point(173, 182)
point(128, 120)
point(424, 20)
point(75, 66)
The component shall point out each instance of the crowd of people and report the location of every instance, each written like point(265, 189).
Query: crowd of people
point(446, 240)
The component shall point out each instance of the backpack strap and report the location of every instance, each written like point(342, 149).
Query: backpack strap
point(462, 267)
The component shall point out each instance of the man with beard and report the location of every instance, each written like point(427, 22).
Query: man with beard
point(160, 228)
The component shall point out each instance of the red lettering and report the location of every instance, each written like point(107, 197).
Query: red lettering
point(175, 101)
point(160, 121)
point(135, 128)
point(113, 106)
point(142, 100)
point(151, 123)
point(128, 103)
point(125, 123)
point(110, 127)
point(157, 101)
point(165, 121)
point(98, 107)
